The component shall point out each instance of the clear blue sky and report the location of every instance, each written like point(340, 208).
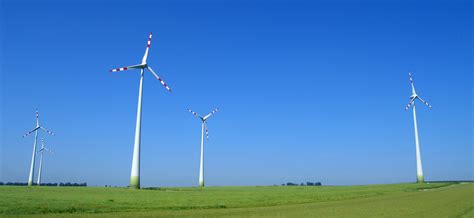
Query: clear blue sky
point(308, 91)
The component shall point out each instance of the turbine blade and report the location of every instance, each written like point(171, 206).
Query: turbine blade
point(42, 146)
point(48, 150)
point(409, 104)
point(425, 102)
point(207, 131)
point(138, 66)
point(157, 77)
point(412, 83)
point(212, 113)
point(194, 113)
point(37, 117)
point(30, 132)
point(46, 131)
point(145, 56)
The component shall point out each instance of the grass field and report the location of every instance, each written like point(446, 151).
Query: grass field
point(415, 200)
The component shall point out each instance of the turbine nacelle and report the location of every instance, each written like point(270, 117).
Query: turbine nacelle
point(45, 149)
point(140, 66)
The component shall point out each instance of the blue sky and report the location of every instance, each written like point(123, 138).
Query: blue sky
point(307, 91)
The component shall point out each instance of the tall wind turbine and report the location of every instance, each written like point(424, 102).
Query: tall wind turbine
point(135, 175)
point(203, 128)
point(413, 97)
point(42, 150)
point(35, 130)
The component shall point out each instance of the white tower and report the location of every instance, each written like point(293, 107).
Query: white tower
point(419, 167)
point(33, 156)
point(42, 150)
point(135, 174)
point(203, 129)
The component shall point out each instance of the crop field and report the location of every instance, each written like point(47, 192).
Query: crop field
point(415, 200)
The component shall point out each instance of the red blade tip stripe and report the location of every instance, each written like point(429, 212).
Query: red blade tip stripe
point(149, 41)
point(119, 69)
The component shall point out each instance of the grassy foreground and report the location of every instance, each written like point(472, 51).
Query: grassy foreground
point(425, 200)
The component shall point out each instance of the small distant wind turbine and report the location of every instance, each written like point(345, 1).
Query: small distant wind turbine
point(35, 130)
point(42, 150)
point(135, 175)
point(203, 128)
point(413, 97)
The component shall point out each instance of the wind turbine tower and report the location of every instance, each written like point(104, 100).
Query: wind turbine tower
point(35, 130)
point(203, 129)
point(42, 150)
point(419, 168)
point(135, 175)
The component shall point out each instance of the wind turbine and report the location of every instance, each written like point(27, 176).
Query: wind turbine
point(135, 175)
point(42, 150)
point(35, 130)
point(203, 128)
point(413, 97)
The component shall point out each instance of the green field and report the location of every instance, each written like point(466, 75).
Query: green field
point(414, 200)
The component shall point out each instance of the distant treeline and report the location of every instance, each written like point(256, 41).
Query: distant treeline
point(455, 181)
point(302, 184)
point(45, 184)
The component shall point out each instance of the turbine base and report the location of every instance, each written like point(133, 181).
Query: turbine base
point(420, 179)
point(135, 182)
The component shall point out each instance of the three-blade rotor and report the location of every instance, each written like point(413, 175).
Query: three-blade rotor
point(414, 96)
point(144, 65)
point(204, 119)
point(38, 127)
point(43, 148)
